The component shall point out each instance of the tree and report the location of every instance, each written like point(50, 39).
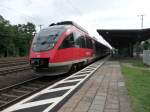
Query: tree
point(25, 31)
point(146, 45)
point(14, 39)
point(5, 36)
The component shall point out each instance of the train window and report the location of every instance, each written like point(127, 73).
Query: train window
point(79, 40)
point(46, 39)
point(89, 43)
point(68, 42)
point(83, 42)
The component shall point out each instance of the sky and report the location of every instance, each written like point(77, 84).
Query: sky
point(90, 14)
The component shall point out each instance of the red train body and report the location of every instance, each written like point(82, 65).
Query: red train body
point(62, 46)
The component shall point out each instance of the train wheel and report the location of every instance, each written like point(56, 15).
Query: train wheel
point(73, 69)
point(79, 66)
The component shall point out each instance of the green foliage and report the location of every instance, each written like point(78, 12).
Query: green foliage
point(15, 39)
point(136, 62)
point(137, 82)
point(146, 45)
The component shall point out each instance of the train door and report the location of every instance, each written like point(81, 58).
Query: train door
point(80, 44)
point(66, 50)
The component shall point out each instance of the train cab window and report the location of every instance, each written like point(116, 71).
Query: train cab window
point(46, 39)
point(68, 42)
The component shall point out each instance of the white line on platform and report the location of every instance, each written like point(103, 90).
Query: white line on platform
point(27, 104)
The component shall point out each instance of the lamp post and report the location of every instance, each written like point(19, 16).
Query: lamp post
point(142, 19)
point(40, 27)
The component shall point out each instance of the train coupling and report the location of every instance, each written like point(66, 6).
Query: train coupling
point(39, 62)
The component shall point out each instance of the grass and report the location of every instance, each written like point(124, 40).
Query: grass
point(138, 85)
point(138, 62)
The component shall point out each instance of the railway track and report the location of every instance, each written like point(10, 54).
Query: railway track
point(12, 62)
point(12, 59)
point(15, 93)
point(8, 64)
point(6, 70)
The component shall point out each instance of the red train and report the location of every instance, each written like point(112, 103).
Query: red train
point(64, 46)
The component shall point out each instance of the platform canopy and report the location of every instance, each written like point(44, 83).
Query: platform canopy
point(124, 38)
point(121, 38)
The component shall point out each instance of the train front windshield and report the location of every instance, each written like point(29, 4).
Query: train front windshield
point(46, 39)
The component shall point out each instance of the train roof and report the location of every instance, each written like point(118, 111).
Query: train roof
point(68, 23)
point(57, 27)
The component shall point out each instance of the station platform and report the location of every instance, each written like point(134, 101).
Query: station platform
point(99, 87)
point(105, 91)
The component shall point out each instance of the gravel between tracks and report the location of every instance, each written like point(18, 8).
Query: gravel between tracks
point(16, 77)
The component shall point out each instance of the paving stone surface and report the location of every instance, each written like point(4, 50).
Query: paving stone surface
point(105, 91)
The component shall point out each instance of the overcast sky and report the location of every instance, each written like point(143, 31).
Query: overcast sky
point(91, 14)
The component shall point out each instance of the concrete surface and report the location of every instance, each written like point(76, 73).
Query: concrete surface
point(105, 91)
